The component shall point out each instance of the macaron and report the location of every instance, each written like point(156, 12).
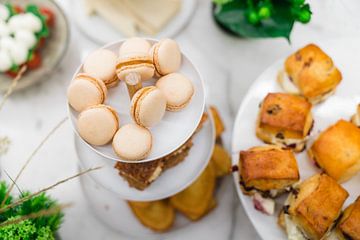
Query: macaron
point(135, 62)
point(177, 89)
point(148, 106)
point(85, 91)
point(166, 56)
point(98, 124)
point(102, 64)
point(132, 142)
point(134, 45)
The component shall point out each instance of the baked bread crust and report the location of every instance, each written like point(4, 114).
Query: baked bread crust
point(349, 224)
point(313, 72)
point(337, 150)
point(267, 168)
point(283, 117)
point(316, 205)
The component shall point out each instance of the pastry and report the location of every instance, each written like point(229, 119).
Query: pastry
point(141, 175)
point(348, 226)
point(313, 207)
point(311, 73)
point(219, 125)
point(195, 201)
point(148, 106)
point(166, 56)
point(102, 65)
point(177, 89)
point(140, 63)
point(265, 172)
point(285, 120)
point(132, 142)
point(221, 161)
point(98, 124)
point(134, 45)
point(157, 215)
point(356, 117)
point(337, 150)
point(85, 91)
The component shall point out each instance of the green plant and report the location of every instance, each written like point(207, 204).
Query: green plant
point(261, 18)
point(39, 228)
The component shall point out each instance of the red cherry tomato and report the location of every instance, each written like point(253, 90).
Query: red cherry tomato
point(49, 15)
point(41, 43)
point(35, 61)
point(18, 9)
point(11, 74)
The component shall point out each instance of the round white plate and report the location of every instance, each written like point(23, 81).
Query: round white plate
point(173, 130)
point(169, 183)
point(90, 25)
point(51, 54)
point(341, 105)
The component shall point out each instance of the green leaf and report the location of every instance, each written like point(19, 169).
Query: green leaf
point(44, 32)
point(232, 16)
point(221, 1)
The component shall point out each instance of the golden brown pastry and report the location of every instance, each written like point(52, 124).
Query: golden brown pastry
point(349, 224)
point(313, 207)
point(311, 73)
point(285, 120)
point(265, 172)
point(356, 117)
point(337, 150)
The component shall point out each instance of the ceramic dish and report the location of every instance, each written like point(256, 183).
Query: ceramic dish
point(53, 51)
point(175, 127)
point(89, 25)
point(341, 105)
point(179, 176)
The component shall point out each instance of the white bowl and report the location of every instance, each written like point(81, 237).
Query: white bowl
point(173, 130)
point(341, 105)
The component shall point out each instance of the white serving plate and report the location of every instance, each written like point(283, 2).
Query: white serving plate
point(90, 25)
point(173, 130)
point(169, 183)
point(341, 105)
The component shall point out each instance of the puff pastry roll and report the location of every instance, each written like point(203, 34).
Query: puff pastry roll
point(337, 150)
point(285, 120)
point(311, 73)
point(313, 207)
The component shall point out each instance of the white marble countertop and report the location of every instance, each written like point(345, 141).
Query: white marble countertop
point(228, 65)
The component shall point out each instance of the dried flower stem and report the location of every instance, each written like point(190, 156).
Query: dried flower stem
point(24, 199)
point(12, 85)
point(41, 213)
point(31, 157)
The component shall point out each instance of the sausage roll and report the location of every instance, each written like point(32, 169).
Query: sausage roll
point(285, 120)
point(313, 207)
point(349, 224)
point(356, 117)
point(337, 150)
point(265, 172)
point(311, 73)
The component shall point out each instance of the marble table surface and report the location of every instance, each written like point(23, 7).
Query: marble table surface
point(228, 65)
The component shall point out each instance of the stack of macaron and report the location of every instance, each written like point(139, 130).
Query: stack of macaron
point(136, 61)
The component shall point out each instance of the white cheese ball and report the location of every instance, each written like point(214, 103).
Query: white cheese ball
point(33, 23)
point(5, 61)
point(16, 22)
point(4, 29)
point(25, 37)
point(7, 42)
point(18, 53)
point(4, 12)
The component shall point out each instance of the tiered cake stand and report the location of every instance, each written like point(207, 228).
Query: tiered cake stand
point(107, 192)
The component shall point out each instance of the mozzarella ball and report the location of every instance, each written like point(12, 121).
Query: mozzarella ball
point(26, 37)
point(7, 42)
point(33, 23)
point(4, 29)
point(4, 12)
point(5, 61)
point(18, 53)
point(16, 22)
